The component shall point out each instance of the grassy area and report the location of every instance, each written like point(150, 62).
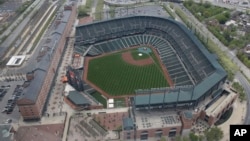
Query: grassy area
point(228, 36)
point(239, 88)
point(168, 11)
point(100, 98)
point(83, 10)
point(112, 11)
point(120, 102)
point(24, 6)
point(88, 5)
point(204, 10)
point(99, 10)
point(226, 62)
point(112, 74)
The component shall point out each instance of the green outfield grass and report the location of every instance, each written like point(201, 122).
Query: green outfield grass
point(99, 98)
point(116, 77)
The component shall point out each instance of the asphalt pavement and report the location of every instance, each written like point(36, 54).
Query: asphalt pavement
point(243, 81)
point(14, 115)
point(149, 9)
point(21, 22)
point(10, 5)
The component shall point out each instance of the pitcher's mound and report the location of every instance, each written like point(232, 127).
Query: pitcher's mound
point(127, 57)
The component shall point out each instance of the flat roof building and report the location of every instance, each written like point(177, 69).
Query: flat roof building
point(16, 61)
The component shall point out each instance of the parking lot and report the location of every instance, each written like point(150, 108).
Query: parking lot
point(149, 10)
point(10, 5)
point(9, 93)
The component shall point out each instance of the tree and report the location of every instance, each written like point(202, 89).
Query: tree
point(82, 11)
point(214, 134)
point(201, 137)
point(193, 137)
point(237, 86)
point(221, 18)
point(207, 4)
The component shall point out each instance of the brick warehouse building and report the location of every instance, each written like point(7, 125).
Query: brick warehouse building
point(40, 79)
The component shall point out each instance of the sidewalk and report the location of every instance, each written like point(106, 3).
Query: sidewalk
point(237, 117)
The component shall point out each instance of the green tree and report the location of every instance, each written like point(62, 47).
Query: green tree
point(237, 86)
point(207, 4)
point(189, 2)
point(214, 134)
point(193, 137)
point(201, 137)
point(221, 18)
point(82, 11)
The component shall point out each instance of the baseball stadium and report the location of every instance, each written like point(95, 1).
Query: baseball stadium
point(153, 63)
point(156, 60)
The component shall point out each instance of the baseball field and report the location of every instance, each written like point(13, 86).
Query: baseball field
point(121, 73)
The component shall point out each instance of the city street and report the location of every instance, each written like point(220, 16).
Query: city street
point(206, 33)
point(242, 80)
point(20, 23)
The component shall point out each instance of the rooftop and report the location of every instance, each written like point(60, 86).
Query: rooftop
point(156, 119)
point(77, 98)
point(127, 123)
point(42, 60)
point(220, 104)
point(16, 60)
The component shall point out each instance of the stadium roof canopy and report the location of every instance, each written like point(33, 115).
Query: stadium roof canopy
point(77, 98)
point(16, 60)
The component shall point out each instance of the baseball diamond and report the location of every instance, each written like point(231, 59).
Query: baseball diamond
point(119, 73)
point(190, 70)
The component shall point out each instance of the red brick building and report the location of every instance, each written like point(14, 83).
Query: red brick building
point(153, 124)
point(40, 79)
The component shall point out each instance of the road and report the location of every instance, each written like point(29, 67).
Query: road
point(206, 33)
point(24, 19)
point(243, 81)
point(220, 3)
